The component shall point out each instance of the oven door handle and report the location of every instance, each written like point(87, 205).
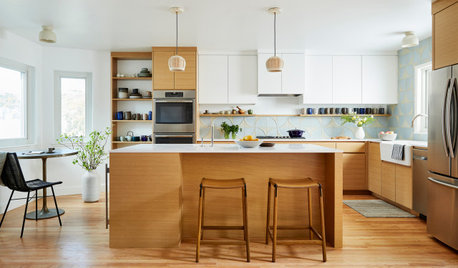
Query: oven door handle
point(171, 101)
point(174, 136)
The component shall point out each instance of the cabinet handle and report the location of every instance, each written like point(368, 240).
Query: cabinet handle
point(420, 157)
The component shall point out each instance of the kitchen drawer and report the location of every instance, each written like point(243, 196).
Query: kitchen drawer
point(351, 147)
point(325, 144)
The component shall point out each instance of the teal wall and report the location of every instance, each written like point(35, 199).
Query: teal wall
point(403, 112)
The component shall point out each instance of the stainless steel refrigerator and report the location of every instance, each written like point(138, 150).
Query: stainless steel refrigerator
point(442, 221)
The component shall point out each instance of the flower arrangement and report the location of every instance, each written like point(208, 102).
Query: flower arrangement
point(228, 129)
point(91, 152)
point(358, 120)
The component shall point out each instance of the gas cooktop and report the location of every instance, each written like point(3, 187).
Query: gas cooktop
point(278, 137)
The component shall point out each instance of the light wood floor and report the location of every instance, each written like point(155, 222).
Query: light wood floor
point(83, 241)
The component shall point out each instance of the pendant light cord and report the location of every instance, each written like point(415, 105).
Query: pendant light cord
point(176, 40)
point(275, 33)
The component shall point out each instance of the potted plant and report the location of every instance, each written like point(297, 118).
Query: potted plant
point(359, 121)
point(90, 155)
point(228, 129)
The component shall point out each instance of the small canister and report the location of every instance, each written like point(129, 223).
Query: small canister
point(145, 116)
point(123, 93)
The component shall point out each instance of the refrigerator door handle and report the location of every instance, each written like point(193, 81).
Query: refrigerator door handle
point(443, 183)
point(448, 119)
point(443, 121)
point(454, 116)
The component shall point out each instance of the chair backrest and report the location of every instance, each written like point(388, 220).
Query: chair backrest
point(12, 175)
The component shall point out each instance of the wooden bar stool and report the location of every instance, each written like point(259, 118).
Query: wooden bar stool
point(222, 184)
point(306, 183)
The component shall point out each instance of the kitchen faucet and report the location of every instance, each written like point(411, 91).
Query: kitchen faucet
point(415, 117)
point(213, 133)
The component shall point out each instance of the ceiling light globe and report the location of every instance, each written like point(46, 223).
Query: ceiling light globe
point(177, 63)
point(409, 40)
point(274, 64)
point(47, 35)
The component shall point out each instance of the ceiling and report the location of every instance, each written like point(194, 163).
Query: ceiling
point(343, 25)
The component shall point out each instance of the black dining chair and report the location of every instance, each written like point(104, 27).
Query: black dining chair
point(13, 178)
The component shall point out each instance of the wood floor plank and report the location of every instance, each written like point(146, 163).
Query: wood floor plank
point(83, 241)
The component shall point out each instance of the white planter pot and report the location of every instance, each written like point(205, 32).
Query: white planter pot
point(91, 186)
point(359, 134)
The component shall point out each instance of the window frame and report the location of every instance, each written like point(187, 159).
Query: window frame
point(420, 86)
point(29, 104)
point(58, 75)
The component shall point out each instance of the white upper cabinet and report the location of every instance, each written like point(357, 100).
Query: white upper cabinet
point(293, 74)
point(268, 82)
point(213, 79)
point(346, 79)
point(380, 79)
point(242, 81)
point(318, 89)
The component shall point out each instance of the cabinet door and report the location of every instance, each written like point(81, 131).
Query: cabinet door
point(242, 80)
point(374, 168)
point(389, 180)
point(318, 79)
point(354, 172)
point(293, 74)
point(163, 78)
point(268, 83)
point(346, 79)
point(404, 186)
point(187, 78)
point(445, 37)
point(213, 79)
point(380, 79)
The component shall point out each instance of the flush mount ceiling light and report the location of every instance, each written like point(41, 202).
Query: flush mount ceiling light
point(176, 62)
point(409, 40)
point(47, 35)
point(274, 63)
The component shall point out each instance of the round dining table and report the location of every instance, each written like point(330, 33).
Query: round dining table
point(45, 212)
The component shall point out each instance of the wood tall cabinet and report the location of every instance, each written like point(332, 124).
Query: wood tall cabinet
point(445, 33)
point(163, 78)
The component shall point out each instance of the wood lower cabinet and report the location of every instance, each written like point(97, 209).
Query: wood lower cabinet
point(404, 186)
point(389, 180)
point(445, 33)
point(354, 172)
point(374, 179)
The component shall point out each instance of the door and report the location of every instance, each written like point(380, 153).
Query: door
point(445, 37)
point(242, 79)
point(442, 213)
point(346, 79)
point(380, 79)
point(293, 74)
point(404, 186)
point(389, 180)
point(163, 78)
point(213, 79)
point(318, 88)
point(375, 168)
point(187, 78)
point(354, 171)
point(438, 153)
point(268, 82)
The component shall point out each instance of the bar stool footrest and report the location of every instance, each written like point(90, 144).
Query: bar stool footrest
point(223, 228)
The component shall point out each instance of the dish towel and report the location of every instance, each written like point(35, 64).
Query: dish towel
point(398, 152)
point(2, 162)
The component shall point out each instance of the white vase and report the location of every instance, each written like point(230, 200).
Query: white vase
point(359, 134)
point(91, 186)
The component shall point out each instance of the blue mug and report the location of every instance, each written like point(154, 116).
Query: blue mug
point(309, 111)
point(362, 110)
point(321, 111)
point(119, 115)
point(150, 115)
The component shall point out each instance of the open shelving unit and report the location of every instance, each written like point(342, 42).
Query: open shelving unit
point(289, 115)
point(120, 60)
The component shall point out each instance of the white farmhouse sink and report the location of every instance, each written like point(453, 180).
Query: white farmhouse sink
point(386, 147)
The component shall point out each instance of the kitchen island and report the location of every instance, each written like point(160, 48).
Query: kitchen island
point(154, 191)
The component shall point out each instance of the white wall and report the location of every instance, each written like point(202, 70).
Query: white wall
point(46, 60)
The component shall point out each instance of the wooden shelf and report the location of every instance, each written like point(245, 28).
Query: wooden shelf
point(144, 99)
point(132, 142)
point(132, 78)
point(131, 121)
point(277, 115)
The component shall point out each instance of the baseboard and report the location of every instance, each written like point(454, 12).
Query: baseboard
point(357, 192)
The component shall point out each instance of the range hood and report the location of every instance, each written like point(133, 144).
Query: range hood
point(278, 95)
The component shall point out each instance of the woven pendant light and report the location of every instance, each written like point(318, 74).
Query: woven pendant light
point(274, 63)
point(176, 62)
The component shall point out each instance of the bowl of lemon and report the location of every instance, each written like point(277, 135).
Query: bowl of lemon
point(248, 142)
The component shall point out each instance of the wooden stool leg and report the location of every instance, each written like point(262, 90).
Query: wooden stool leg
point(203, 214)
point(268, 213)
point(310, 213)
point(199, 225)
point(245, 224)
point(323, 231)
point(274, 240)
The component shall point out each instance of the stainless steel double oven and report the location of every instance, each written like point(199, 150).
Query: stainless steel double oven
point(174, 116)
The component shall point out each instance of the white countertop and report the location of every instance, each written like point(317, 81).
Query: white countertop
point(224, 148)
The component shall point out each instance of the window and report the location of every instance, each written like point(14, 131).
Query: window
point(73, 103)
point(15, 105)
point(422, 86)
